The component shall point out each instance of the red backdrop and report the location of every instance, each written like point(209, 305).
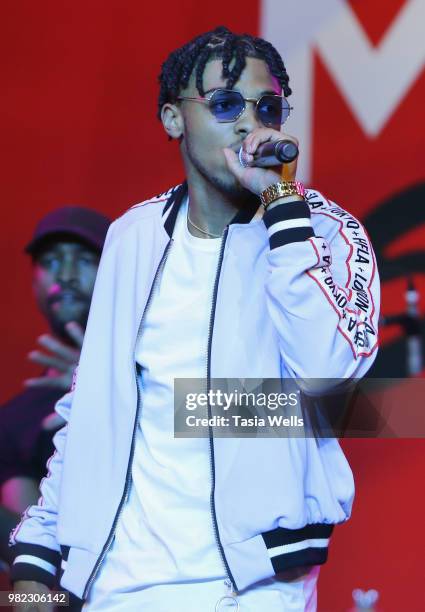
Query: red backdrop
point(78, 110)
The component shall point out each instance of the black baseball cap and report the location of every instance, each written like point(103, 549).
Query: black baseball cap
point(85, 224)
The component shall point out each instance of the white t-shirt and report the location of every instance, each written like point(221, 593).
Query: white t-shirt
point(165, 534)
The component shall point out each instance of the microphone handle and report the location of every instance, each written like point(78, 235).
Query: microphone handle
point(271, 154)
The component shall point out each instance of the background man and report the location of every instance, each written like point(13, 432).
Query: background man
point(65, 251)
point(204, 281)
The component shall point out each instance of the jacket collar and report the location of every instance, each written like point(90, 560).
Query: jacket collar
point(178, 196)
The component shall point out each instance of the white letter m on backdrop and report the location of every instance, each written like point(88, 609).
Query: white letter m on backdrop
point(372, 80)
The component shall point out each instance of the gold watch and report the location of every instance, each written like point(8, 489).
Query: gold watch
point(282, 189)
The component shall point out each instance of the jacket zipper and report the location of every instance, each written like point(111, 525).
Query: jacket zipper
point(127, 486)
point(210, 430)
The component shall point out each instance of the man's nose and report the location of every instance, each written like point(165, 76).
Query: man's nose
point(68, 271)
point(248, 121)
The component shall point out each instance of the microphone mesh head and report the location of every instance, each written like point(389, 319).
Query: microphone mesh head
point(243, 158)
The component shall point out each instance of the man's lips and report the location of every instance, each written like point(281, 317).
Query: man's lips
point(66, 297)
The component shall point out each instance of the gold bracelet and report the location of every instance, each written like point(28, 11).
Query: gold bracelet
point(282, 189)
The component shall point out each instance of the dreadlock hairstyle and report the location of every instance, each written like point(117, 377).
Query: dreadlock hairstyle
point(222, 44)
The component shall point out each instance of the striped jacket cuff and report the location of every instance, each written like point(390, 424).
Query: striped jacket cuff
point(34, 562)
point(289, 548)
point(288, 222)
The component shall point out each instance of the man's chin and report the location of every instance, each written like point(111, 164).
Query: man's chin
point(234, 191)
point(58, 322)
point(224, 182)
point(64, 313)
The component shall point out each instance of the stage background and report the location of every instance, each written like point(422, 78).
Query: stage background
point(78, 103)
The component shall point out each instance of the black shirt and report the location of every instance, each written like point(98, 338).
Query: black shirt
point(24, 445)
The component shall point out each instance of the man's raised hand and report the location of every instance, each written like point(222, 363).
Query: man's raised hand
point(60, 361)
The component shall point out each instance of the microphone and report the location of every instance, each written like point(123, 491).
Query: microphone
point(271, 154)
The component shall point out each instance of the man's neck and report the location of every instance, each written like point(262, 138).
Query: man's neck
point(209, 209)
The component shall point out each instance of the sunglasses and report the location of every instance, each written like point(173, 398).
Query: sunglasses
point(227, 105)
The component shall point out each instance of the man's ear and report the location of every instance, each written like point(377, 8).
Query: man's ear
point(172, 120)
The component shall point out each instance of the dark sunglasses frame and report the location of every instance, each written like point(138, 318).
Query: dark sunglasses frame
point(209, 101)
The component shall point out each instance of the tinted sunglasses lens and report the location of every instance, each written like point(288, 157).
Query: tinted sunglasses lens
point(226, 105)
point(273, 110)
point(286, 109)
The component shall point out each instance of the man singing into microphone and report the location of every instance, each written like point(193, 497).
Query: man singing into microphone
point(239, 272)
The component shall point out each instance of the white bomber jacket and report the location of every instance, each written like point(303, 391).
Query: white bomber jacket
point(296, 295)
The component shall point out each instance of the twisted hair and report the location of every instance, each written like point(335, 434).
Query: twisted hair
point(222, 44)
